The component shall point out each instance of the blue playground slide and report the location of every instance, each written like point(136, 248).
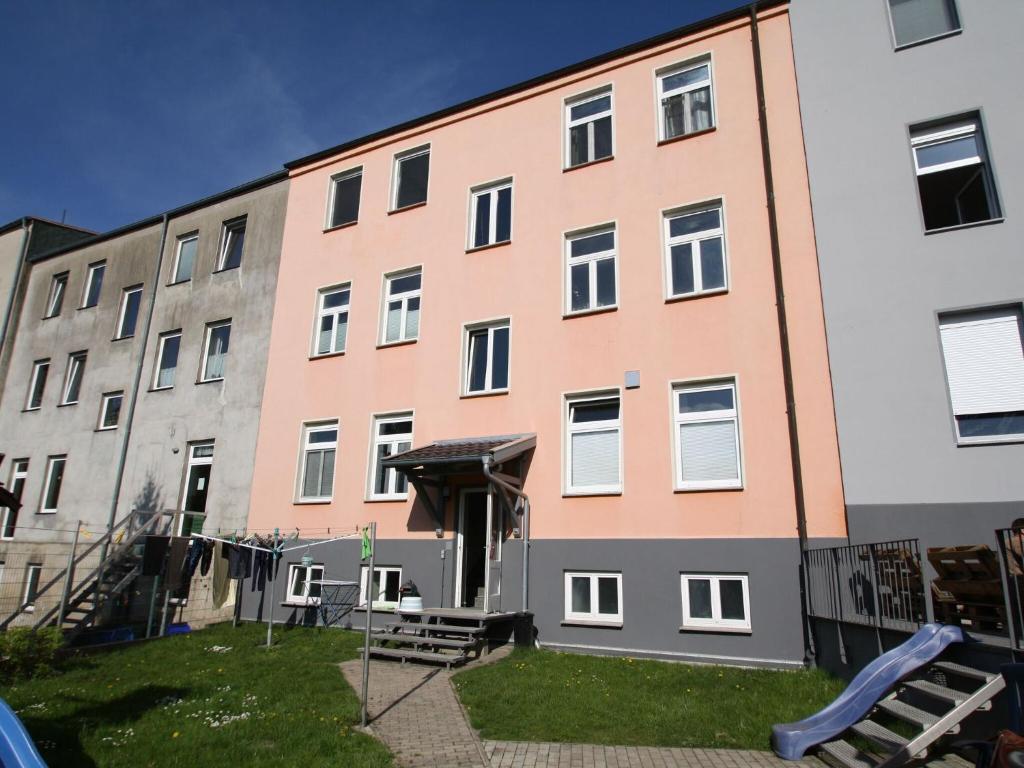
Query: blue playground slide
point(791, 740)
point(17, 749)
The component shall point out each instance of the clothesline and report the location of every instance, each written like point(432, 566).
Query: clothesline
point(279, 550)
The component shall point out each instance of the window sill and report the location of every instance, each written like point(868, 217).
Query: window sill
point(326, 355)
point(160, 389)
point(106, 429)
point(87, 306)
point(1008, 440)
point(385, 499)
point(709, 489)
point(179, 282)
point(926, 40)
point(586, 494)
point(487, 393)
point(718, 630)
point(313, 603)
point(488, 247)
point(336, 227)
point(32, 410)
point(685, 136)
point(209, 381)
point(698, 295)
point(47, 512)
point(122, 338)
point(971, 225)
point(587, 165)
point(65, 405)
point(50, 317)
point(598, 623)
point(402, 343)
point(311, 502)
point(404, 208)
point(586, 312)
point(222, 270)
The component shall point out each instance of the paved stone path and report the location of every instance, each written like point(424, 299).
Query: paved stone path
point(414, 710)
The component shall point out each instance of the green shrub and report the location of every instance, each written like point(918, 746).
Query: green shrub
point(26, 652)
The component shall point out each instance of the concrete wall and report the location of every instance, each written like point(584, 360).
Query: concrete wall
point(884, 280)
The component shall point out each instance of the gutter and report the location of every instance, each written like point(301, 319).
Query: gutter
point(780, 307)
point(486, 467)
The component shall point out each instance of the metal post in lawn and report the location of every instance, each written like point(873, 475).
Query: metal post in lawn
point(369, 619)
point(273, 579)
point(65, 593)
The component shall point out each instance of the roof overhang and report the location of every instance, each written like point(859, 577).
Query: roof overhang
point(446, 457)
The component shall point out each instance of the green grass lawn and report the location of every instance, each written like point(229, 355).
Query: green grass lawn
point(181, 702)
point(545, 696)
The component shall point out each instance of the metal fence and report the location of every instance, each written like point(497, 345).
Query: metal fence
point(1011, 554)
point(877, 585)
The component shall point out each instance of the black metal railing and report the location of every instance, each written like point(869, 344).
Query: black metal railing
point(1011, 555)
point(878, 585)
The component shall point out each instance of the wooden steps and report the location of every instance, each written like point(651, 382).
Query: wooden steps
point(407, 654)
point(455, 629)
point(418, 637)
point(409, 638)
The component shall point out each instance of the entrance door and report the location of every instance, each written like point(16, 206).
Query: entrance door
point(197, 488)
point(471, 582)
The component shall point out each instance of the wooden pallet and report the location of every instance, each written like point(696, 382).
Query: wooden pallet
point(965, 563)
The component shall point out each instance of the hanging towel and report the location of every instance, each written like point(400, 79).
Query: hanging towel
point(175, 561)
point(154, 554)
point(204, 563)
point(220, 576)
point(239, 564)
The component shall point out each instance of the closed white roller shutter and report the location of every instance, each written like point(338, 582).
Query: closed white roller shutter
point(708, 451)
point(984, 361)
point(595, 458)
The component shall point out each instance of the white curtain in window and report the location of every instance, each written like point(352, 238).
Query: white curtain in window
point(708, 451)
point(984, 361)
point(595, 458)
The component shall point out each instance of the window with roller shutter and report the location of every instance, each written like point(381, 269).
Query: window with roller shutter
point(707, 437)
point(594, 445)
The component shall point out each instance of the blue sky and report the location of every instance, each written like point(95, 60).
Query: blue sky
point(115, 111)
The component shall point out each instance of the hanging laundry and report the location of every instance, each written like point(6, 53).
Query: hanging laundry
point(220, 576)
point(154, 554)
point(175, 561)
point(239, 562)
point(195, 552)
point(204, 563)
point(259, 569)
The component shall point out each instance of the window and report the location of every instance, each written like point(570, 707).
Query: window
point(409, 185)
point(487, 354)
point(588, 128)
point(985, 371)
point(391, 435)
point(706, 436)
point(685, 99)
point(594, 445)
point(299, 588)
point(590, 271)
point(55, 299)
point(344, 198)
point(695, 252)
point(215, 350)
point(93, 284)
point(953, 175)
point(386, 581)
point(593, 597)
point(914, 21)
point(37, 384)
point(185, 258)
point(401, 307)
point(19, 476)
point(110, 410)
point(52, 485)
point(73, 378)
point(231, 243)
point(129, 315)
point(715, 602)
point(33, 571)
point(332, 320)
point(490, 215)
point(319, 445)
point(198, 472)
point(166, 359)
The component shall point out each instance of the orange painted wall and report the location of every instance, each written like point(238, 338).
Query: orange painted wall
point(731, 334)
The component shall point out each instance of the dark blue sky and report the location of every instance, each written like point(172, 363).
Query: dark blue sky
point(117, 110)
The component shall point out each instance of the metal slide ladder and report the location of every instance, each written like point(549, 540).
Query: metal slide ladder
point(933, 704)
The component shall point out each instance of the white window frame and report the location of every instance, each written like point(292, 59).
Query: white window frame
point(321, 312)
point(662, 94)
point(387, 298)
point(468, 332)
point(122, 312)
point(568, 430)
point(51, 462)
point(105, 401)
point(332, 191)
point(897, 45)
point(376, 440)
point(309, 428)
point(182, 240)
point(37, 366)
point(55, 297)
point(90, 277)
point(491, 189)
point(19, 471)
point(208, 337)
point(678, 419)
point(694, 238)
point(396, 176)
point(569, 124)
point(716, 622)
point(594, 616)
point(228, 229)
point(37, 568)
point(291, 598)
point(383, 570)
point(591, 260)
point(76, 363)
point(160, 345)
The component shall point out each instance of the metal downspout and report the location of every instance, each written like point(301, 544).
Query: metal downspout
point(486, 462)
point(123, 458)
point(26, 229)
point(780, 306)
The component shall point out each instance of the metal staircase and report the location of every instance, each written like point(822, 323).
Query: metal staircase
point(913, 716)
point(82, 599)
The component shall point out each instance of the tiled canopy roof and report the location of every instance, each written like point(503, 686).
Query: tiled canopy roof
point(462, 450)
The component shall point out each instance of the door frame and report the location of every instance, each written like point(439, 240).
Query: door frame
point(190, 462)
point(460, 543)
